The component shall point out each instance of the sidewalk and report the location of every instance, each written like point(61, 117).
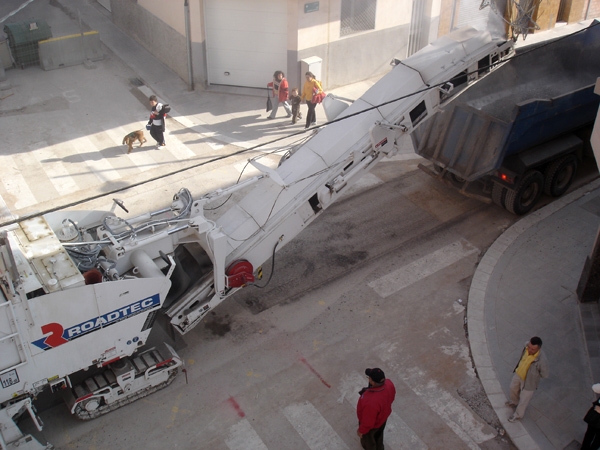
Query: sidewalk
point(524, 286)
point(225, 119)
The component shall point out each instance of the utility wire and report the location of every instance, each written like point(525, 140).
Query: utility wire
point(297, 133)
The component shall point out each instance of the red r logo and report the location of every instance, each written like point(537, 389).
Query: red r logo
point(56, 334)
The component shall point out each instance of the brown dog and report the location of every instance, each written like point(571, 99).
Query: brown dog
point(130, 138)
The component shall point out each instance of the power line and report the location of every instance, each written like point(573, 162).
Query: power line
point(297, 133)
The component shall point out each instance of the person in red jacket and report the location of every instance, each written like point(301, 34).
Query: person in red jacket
point(280, 88)
point(373, 409)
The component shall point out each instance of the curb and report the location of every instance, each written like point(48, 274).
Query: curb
point(476, 317)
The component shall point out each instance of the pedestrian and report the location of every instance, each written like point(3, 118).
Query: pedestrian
point(591, 439)
point(295, 100)
point(280, 94)
point(311, 87)
point(532, 367)
point(373, 409)
point(157, 120)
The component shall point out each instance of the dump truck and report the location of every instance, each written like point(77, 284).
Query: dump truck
point(521, 131)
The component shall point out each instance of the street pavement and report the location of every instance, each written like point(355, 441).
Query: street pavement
point(524, 285)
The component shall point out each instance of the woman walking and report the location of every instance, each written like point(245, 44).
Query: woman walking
point(280, 94)
point(311, 87)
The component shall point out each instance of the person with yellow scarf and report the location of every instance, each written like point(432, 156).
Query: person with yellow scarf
point(532, 367)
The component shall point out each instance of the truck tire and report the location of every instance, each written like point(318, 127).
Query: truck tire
point(499, 194)
point(520, 200)
point(560, 175)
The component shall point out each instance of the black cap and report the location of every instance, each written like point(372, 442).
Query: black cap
point(375, 374)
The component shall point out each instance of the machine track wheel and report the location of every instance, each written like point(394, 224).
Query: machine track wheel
point(560, 175)
point(523, 198)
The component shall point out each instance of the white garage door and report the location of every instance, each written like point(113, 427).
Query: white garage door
point(246, 41)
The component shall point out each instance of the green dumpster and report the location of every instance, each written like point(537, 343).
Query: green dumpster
point(23, 38)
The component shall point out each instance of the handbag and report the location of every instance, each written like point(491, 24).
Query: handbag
point(318, 94)
point(269, 103)
point(592, 418)
point(318, 98)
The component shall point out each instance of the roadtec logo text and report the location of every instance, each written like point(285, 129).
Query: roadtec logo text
point(59, 335)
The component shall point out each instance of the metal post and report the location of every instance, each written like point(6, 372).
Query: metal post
point(188, 40)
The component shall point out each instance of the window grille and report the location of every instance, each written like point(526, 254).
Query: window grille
point(357, 16)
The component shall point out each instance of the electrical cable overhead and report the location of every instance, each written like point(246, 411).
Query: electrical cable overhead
point(258, 146)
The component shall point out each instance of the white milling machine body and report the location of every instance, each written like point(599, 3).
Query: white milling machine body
point(83, 288)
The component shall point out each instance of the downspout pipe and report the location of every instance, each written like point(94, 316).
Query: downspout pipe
point(188, 41)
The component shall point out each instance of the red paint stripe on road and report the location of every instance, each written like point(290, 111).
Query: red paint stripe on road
point(312, 369)
point(236, 406)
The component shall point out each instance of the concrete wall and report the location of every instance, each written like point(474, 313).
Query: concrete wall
point(352, 58)
point(358, 57)
point(160, 28)
point(70, 50)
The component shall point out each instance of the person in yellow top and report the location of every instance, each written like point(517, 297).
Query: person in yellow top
point(531, 368)
point(311, 86)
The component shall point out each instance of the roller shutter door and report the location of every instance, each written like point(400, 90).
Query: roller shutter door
point(246, 41)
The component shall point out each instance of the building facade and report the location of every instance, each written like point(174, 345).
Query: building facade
point(242, 42)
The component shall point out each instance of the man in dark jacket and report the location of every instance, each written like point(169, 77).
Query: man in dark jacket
point(373, 409)
point(530, 369)
point(157, 121)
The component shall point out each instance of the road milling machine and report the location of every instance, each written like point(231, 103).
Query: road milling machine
point(82, 289)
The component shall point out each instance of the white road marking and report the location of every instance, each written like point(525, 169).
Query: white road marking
point(421, 268)
point(5, 214)
point(456, 415)
point(243, 437)
point(312, 427)
point(140, 156)
point(54, 169)
point(398, 435)
point(349, 386)
point(177, 148)
point(16, 185)
point(100, 167)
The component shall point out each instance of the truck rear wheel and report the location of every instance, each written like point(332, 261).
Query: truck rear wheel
point(499, 194)
point(560, 175)
point(520, 200)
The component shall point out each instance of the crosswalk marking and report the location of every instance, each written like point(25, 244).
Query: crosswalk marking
point(54, 169)
point(97, 165)
point(421, 268)
point(243, 437)
point(141, 157)
point(398, 435)
point(16, 185)
point(312, 427)
point(179, 150)
point(456, 415)
point(5, 214)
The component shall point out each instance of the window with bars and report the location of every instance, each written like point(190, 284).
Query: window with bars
point(357, 16)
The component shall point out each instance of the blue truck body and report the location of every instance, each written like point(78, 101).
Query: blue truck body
point(519, 118)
